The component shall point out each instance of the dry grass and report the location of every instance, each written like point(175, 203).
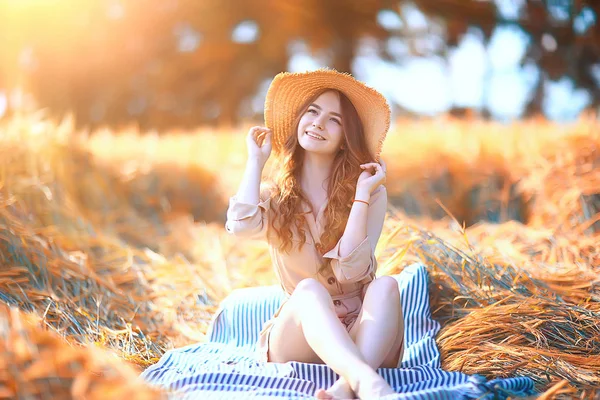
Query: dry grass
point(112, 244)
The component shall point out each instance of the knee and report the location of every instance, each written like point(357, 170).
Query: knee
point(311, 287)
point(386, 286)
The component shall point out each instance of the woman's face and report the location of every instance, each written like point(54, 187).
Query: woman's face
point(320, 128)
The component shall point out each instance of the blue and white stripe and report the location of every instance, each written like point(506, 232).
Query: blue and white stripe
point(227, 368)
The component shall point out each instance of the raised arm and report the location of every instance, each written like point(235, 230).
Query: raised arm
point(353, 258)
point(247, 211)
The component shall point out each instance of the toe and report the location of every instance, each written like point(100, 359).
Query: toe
point(321, 394)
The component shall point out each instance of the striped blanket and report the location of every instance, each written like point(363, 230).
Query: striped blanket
point(226, 368)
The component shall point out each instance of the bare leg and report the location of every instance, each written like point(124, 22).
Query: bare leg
point(379, 323)
point(308, 330)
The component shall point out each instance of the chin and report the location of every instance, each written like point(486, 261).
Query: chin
point(310, 146)
point(321, 152)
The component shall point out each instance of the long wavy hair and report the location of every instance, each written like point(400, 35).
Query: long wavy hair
point(288, 195)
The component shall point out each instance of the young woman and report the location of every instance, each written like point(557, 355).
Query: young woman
point(322, 219)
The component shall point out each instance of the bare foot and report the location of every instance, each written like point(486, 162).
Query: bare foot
point(372, 386)
point(339, 390)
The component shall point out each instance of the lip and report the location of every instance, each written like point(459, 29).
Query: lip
point(309, 133)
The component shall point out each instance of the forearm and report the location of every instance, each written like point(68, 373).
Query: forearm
point(356, 227)
point(249, 190)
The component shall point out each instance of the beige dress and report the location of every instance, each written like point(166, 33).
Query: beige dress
point(348, 277)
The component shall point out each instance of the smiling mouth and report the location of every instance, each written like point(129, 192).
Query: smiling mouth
point(314, 135)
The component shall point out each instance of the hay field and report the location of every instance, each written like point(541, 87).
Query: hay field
point(112, 248)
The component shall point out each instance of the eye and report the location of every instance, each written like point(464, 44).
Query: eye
point(337, 121)
point(312, 111)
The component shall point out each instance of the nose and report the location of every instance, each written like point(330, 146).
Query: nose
point(317, 124)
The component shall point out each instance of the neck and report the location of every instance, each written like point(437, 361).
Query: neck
point(316, 169)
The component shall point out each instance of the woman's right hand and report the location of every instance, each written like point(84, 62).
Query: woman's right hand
point(259, 145)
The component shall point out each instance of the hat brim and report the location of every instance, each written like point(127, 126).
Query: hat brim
point(288, 91)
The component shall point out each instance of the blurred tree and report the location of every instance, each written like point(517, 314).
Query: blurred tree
point(565, 36)
point(172, 62)
point(224, 71)
point(186, 62)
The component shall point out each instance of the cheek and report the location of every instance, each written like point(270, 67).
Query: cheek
point(302, 124)
point(335, 130)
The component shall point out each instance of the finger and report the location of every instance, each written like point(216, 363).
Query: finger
point(257, 129)
point(369, 165)
point(253, 132)
point(265, 137)
point(375, 172)
point(377, 168)
point(257, 134)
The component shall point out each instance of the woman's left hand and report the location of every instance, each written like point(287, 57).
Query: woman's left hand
point(372, 176)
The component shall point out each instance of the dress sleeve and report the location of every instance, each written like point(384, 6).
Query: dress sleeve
point(249, 220)
point(360, 264)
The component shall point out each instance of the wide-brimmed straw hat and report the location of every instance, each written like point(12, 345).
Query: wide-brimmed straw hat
point(289, 91)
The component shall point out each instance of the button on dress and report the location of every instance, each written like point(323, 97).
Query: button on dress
point(348, 277)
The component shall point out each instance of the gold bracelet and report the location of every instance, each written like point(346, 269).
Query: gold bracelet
point(361, 201)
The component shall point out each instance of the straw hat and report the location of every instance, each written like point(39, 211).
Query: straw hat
point(289, 91)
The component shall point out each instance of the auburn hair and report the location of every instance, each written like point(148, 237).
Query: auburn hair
point(287, 193)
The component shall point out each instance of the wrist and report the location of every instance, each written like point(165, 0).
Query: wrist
point(362, 194)
point(255, 163)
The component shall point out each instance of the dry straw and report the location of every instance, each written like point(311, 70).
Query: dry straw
point(39, 364)
point(92, 261)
